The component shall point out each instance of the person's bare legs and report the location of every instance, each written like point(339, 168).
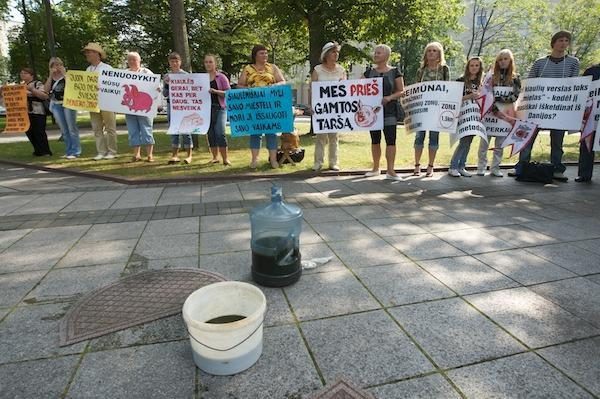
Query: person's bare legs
point(376, 154)
point(150, 152)
point(215, 152)
point(432, 154)
point(254, 162)
point(273, 158)
point(136, 152)
point(418, 154)
point(224, 155)
point(390, 157)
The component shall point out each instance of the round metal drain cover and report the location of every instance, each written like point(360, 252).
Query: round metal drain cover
point(134, 300)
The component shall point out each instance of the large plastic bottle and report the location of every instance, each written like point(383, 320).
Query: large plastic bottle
point(275, 243)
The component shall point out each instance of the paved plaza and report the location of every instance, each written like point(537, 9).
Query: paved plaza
point(438, 287)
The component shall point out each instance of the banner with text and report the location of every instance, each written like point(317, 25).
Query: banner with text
point(129, 92)
point(81, 91)
point(497, 126)
point(260, 110)
point(554, 103)
point(189, 100)
point(432, 105)
point(15, 102)
point(347, 105)
point(591, 115)
point(469, 122)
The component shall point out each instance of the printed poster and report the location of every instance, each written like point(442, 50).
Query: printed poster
point(260, 110)
point(127, 92)
point(81, 91)
point(190, 104)
point(347, 105)
point(15, 102)
point(432, 105)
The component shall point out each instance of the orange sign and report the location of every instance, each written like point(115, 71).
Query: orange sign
point(15, 101)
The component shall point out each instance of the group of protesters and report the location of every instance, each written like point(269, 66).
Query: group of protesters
point(259, 73)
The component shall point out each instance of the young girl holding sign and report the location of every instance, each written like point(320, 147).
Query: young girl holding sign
point(472, 77)
point(393, 85)
point(507, 86)
point(433, 67)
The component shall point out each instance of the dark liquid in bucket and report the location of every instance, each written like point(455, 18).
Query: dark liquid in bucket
point(230, 318)
point(277, 270)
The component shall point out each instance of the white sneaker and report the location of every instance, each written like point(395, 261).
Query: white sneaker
point(316, 167)
point(110, 155)
point(372, 173)
point(98, 157)
point(334, 167)
point(497, 173)
point(392, 177)
point(453, 173)
point(463, 172)
point(480, 172)
point(71, 157)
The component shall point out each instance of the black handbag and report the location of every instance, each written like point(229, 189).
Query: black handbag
point(297, 155)
point(536, 172)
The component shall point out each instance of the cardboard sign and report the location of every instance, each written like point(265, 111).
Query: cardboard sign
point(15, 102)
point(554, 103)
point(260, 110)
point(347, 105)
point(81, 91)
point(189, 100)
point(432, 105)
point(127, 92)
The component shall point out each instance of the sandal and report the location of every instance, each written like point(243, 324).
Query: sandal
point(136, 159)
point(429, 171)
point(150, 159)
point(417, 171)
point(214, 161)
point(227, 163)
point(173, 161)
point(187, 161)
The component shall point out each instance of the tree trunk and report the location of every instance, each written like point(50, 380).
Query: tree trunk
point(316, 37)
point(180, 35)
point(50, 28)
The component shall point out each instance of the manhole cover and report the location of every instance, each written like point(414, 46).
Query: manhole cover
point(342, 389)
point(131, 301)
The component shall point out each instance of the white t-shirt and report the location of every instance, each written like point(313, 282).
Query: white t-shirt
point(100, 67)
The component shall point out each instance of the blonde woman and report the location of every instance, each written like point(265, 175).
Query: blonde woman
point(65, 117)
point(328, 70)
point(393, 86)
point(506, 76)
point(433, 67)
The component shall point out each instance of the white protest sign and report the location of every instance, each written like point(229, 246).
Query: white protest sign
point(497, 126)
point(520, 135)
point(596, 142)
point(591, 115)
point(189, 100)
point(486, 97)
point(347, 105)
point(127, 92)
point(554, 103)
point(433, 105)
point(469, 122)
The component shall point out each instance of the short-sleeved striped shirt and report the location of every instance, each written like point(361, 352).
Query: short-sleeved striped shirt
point(549, 67)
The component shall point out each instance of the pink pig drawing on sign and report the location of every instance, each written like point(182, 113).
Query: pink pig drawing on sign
point(136, 100)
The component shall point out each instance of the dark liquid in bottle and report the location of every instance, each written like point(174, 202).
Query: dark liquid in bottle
point(230, 318)
point(282, 268)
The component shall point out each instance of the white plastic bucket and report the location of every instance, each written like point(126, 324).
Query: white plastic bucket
point(228, 348)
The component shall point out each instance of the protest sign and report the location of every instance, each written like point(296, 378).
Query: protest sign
point(520, 135)
point(495, 125)
point(433, 105)
point(347, 105)
point(189, 100)
point(554, 103)
point(127, 92)
point(591, 115)
point(486, 93)
point(596, 146)
point(81, 91)
point(260, 110)
point(469, 122)
point(15, 102)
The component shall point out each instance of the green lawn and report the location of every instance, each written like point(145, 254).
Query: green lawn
point(354, 155)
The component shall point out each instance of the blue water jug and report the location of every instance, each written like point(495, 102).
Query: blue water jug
point(275, 243)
